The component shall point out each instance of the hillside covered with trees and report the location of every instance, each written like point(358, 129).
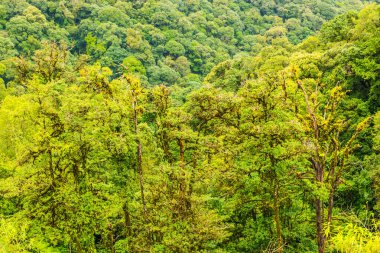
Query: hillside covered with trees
point(189, 126)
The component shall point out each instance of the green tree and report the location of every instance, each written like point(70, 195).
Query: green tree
point(174, 48)
point(328, 151)
point(134, 66)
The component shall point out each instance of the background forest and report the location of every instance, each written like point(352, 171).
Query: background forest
point(189, 126)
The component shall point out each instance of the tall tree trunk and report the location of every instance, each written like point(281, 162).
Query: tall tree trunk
point(139, 169)
point(127, 219)
point(111, 239)
point(319, 214)
point(139, 159)
point(319, 210)
point(333, 182)
point(276, 204)
point(277, 217)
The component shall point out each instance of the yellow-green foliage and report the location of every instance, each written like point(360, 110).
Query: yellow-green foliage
point(353, 238)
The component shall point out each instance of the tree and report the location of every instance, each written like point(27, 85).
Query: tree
point(51, 60)
point(93, 48)
point(134, 66)
point(58, 163)
point(136, 92)
point(174, 48)
point(328, 151)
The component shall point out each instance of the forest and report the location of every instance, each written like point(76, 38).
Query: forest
point(221, 126)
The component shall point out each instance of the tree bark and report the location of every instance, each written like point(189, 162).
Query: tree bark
point(331, 205)
point(276, 204)
point(319, 210)
point(333, 181)
point(141, 177)
point(277, 217)
point(127, 218)
point(139, 158)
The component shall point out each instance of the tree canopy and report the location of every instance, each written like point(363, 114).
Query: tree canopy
point(189, 126)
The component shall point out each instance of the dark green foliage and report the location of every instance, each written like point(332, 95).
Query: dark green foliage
point(199, 30)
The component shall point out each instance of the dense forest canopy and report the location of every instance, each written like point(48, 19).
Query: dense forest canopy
point(189, 126)
point(169, 38)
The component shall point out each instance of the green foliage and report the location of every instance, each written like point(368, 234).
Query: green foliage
point(133, 65)
point(112, 141)
point(174, 48)
point(205, 32)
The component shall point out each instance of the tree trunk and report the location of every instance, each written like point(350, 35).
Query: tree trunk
point(276, 204)
point(111, 239)
point(331, 205)
point(333, 183)
point(127, 218)
point(139, 169)
point(319, 210)
point(277, 217)
point(139, 159)
point(319, 214)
